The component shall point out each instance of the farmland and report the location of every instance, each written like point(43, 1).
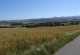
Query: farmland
point(35, 41)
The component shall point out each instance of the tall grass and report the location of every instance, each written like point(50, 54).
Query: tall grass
point(35, 41)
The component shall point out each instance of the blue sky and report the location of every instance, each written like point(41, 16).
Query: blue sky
point(19, 9)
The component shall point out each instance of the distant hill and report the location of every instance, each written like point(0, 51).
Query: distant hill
point(42, 21)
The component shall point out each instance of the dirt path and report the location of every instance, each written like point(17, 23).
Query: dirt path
point(72, 48)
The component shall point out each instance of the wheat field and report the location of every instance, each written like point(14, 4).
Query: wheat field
point(14, 41)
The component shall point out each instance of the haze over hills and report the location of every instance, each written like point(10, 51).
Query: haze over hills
point(43, 21)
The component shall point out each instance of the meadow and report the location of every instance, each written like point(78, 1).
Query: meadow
point(36, 41)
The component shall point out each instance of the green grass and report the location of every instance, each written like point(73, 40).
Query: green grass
point(49, 48)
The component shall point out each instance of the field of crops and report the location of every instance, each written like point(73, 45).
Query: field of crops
point(35, 41)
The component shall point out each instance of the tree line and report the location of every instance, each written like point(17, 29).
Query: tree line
point(13, 25)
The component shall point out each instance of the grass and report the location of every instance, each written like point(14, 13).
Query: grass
point(36, 41)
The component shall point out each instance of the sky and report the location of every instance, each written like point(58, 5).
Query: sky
point(25, 9)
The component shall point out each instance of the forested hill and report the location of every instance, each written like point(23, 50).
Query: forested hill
point(54, 21)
